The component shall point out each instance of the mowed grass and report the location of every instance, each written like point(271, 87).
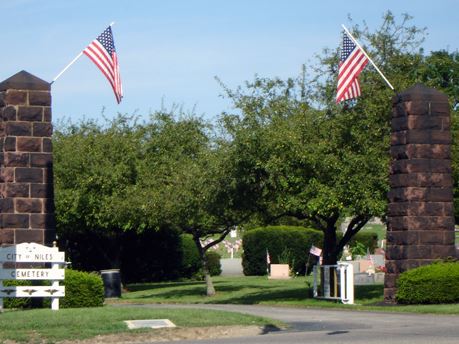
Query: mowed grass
point(47, 326)
point(295, 292)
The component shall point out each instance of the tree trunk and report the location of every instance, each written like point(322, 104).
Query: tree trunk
point(330, 257)
point(330, 252)
point(209, 284)
point(205, 267)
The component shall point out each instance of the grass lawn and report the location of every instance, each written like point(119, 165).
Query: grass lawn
point(260, 290)
point(47, 326)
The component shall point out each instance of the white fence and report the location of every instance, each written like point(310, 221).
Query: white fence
point(32, 259)
point(336, 282)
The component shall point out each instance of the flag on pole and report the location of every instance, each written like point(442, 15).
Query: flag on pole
point(102, 52)
point(352, 61)
point(315, 251)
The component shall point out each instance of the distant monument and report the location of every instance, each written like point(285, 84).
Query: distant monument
point(26, 173)
point(420, 215)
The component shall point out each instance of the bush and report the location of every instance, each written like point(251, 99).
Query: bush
point(431, 284)
point(191, 262)
point(280, 241)
point(213, 262)
point(82, 289)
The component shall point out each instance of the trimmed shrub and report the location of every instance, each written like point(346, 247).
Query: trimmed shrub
point(282, 242)
point(82, 289)
point(430, 284)
point(213, 262)
point(191, 262)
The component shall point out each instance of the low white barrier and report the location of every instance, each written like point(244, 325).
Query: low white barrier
point(336, 282)
point(32, 257)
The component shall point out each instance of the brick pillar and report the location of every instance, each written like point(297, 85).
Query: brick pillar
point(26, 185)
point(420, 214)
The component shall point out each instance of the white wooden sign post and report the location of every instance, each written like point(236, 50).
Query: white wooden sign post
point(35, 255)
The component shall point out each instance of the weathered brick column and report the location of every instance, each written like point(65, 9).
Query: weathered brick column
point(26, 185)
point(420, 215)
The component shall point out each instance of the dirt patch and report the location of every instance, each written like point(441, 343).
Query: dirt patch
point(172, 334)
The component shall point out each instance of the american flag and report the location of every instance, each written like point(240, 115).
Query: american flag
point(352, 62)
point(315, 251)
point(102, 52)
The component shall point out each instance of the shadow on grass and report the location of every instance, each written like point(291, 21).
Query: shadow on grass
point(150, 286)
point(247, 293)
point(296, 294)
point(369, 292)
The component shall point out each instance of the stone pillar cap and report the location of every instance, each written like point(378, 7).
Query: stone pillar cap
point(420, 92)
point(24, 81)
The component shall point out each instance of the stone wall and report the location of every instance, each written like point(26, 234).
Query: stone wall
point(26, 181)
point(420, 213)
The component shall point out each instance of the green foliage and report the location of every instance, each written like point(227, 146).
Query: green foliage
point(191, 261)
point(366, 241)
point(358, 249)
point(292, 243)
point(82, 289)
point(213, 263)
point(17, 302)
point(432, 284)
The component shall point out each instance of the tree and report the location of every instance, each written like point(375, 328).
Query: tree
point(94, 166)
point(186, 182)
point(305, 156)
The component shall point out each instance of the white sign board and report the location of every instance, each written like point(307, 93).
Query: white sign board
point(31, 253)
point(32, 274)
point(33, 291)
point(34, 254)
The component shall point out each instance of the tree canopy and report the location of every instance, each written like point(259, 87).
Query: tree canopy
point(287, 150)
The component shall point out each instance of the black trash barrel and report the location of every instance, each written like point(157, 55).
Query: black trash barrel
point(112, 282)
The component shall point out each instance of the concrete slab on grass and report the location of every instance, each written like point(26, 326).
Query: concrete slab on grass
point(149, 323)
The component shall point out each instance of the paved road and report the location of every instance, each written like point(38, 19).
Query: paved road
point(231, 267)
point(341, 326)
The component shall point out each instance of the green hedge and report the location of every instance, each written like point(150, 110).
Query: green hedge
point(191, 266)
point(191, 262)
point(284, 243)
point(431, 284)
point(82, 289)
point(213, 262)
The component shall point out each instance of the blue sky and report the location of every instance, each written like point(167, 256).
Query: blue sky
point(170, 51)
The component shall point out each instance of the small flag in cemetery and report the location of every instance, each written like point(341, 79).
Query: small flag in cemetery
point(352, 61)
point(315, 251)
point(102, 52)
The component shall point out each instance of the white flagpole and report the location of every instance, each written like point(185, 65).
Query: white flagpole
point(368, 57)
point(73, 61)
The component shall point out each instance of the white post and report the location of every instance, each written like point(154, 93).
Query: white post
point(315, 293)
point(1, 286)
point(346, 277)
point(326, 281)
point(55, 285)
point(350, 283)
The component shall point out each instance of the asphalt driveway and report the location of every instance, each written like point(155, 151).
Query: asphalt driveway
point(321, 326)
